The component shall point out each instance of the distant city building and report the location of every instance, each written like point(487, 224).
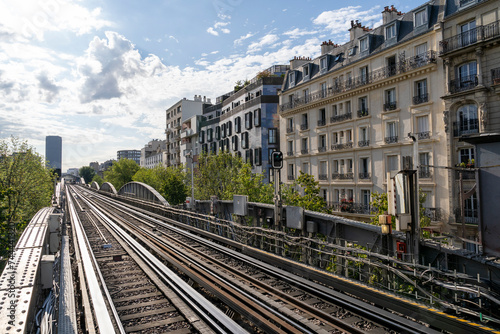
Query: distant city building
point(175, 116)
point(53, 153)
point(104, 167)
point(94, 166)
point(153, 153)
point(73, 171)
point(129, 154)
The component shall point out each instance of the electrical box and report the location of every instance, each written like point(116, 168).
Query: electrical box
point(312, 227)
point(189, 202)
point(47, 271)
point(54, 222)
point(295, 217)
point(403, 221)
point(240, 205)
point(54, 241)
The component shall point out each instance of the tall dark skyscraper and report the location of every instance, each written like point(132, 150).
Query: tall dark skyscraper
point(53, 153)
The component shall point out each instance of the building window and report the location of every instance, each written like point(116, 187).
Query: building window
point(421, 95)
point(421, 18)
point(421, 50)
point(471, 210)
point(234, 142)
point(323, 89)
point(468, 33)
point(364, 171)
point(305, 168)
point(423, 127)
point(248, 120)
point(467, 76)
point(305, 149)
point(322, 117)
point(290, 148)
point(323, 63)
point(365, 199)
point(466, 155)
point(304, 125)
point(210, 135)
point(256, 117)
point(229, 128)
point(244, 140)
point(289, 125)
point(467, 119)
point(323, 170)
point(391, 132)
point(258, 156)
point(305, 71)
point(363, 44)
point(290, 170)
point(363, 74)
point(291, 79)
point(322, 143)
point(392, 164)
point(424, 170)
point(201, 138)
point(249, 157)
point(363, 137)
point(390, 31)
point(217, 133)
point(363, 106)
point(273, 136)
point(390, 99)
point(237, 124)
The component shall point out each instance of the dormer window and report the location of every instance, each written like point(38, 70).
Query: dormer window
point(351, 52)
point(337, 57)
point(363, 44)
point(390, 31)
point(306, 71)
point(323, 64)
point(421, 18)
point(291, 79)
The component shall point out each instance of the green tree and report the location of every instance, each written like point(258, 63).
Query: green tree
point(26, 186)
point(87, 173)
point(252, 185)
point(98, 179)
point(170, 182)
point(311, 199)
point(121, 172)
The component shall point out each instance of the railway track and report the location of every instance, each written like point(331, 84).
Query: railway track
point(265, 298)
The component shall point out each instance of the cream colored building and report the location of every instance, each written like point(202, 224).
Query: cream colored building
point(471, 54)
point(346, 116)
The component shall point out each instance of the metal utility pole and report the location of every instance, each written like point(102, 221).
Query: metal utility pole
point(277, 164)
point(415, 200)
point(190, 155)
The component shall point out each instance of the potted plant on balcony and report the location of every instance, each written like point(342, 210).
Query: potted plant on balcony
point(470, 163)
point(346, 205)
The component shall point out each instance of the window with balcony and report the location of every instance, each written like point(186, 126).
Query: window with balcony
point(363, 106)
point(322, 117)
point(323, 89)
point(244, 140)
point(306, 95)
point(466, 155)
point(364, 170)
point(468, 34)
point(471, 210)
point(391, 66)
point(335, 111)
point(421, 94)
point(290, 172)
point(365, 199)
point(335, 166)
point(289, 125)
point(363, 137)
point(390, 31)
point(304, 146)
point(421, 18)
point(322, 143)
point(391, 132)
point(290, 148)
point(273, 136)
point(421, 50)
point(392, 164)
point(363, 75)
point(424, 169)
point(248, 120)
point(348, 136)
point(323, 170)
point(466, 77)
point(305, 123)
point(423, 127)
point(258, 156)
point(390, 99)
point(467, 119)
point(256, 117)
point(335, 137)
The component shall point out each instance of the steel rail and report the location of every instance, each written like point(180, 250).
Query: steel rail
point(91, 270)
point(208, 312)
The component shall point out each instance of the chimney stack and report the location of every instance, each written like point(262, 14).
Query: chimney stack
point(390, 13)
point(326, 47)
point(296, 62)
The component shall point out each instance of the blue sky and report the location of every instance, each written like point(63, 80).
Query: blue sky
point(101, 74)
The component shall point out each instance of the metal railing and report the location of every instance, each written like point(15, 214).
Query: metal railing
point(304, 151)
point(341, 146)
point(424, 174)
point(391, 139)
point(424, 135)
point(350, 206)
point(304, 126)
point(470, 37)
point(364, 175)
point(463, 84)
point(403, 66)
point(291, 177)
point(289, 153)
point(322, 149)
point(289, 130)
point(363, 113)
point(340, 118)
point(421, 98)
point(343, 176)
point(390, 106)
point(321, 122)
point(363, 143)
point(323, 177)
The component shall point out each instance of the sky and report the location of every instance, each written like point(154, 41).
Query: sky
point(101, 73)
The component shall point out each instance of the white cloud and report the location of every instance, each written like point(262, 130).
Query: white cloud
point(219, 26)
point(240, 40)
point(264, 41)
point(339, 21)
point(175, 39)
point(296, 33)
point(211, 31)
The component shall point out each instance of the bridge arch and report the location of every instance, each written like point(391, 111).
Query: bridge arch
point(142, 191)
point(94, 185)
point(108, 187)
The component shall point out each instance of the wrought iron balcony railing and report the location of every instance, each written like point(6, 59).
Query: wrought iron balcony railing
point(342, 176)
point(422, 98)
point(364, 175)
point(350, 206)
point(289, 153)
point(304, 126)
point(363, 143)
point(289, 130)
point(424, 135)
point(363, 113)
point(470, 37)
point(291, 177)
point(424, 174)
point(321, 122)
point(323, 177)
point(344, 146)
point(390, 106)
point(304, 151)
point(391, 139)
point(340, 118)
point(322, 149)
point(403, 66)
point(463, 84)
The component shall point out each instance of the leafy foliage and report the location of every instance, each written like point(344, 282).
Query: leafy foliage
point(98, 179)
point(26, 186)
point(310, 200)
point(121, 172)
point(87, 173)
point(170, 182)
